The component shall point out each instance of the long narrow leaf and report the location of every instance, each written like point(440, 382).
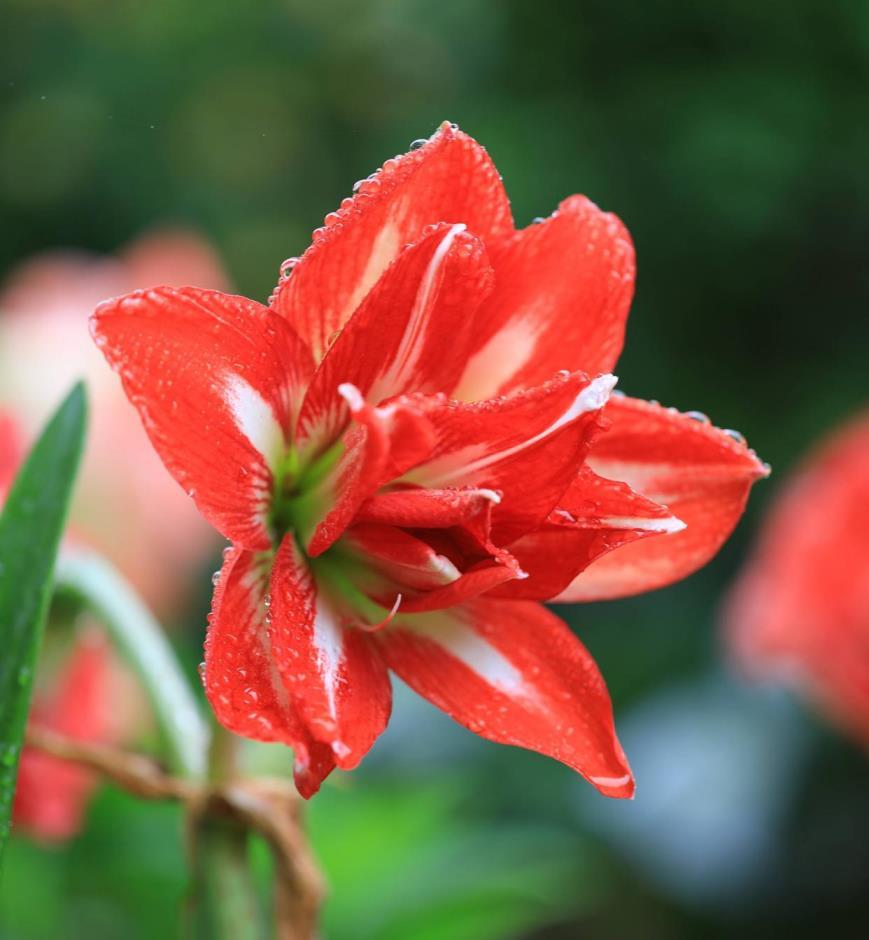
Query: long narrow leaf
point(30, 529)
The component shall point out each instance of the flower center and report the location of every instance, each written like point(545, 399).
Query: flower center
point(298, 496)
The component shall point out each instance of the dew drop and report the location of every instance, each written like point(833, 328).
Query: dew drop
point(737, 436)
point(356, 185)
point(697, 416)
point(267, 601)
point(215, 578)
point(287, 266)
point(538, 219)
point(10, 755)
point(201, 670)
point(419, 142)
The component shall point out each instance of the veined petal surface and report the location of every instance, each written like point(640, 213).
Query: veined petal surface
point(449, 179)
point(512, 672)
point(217, 380)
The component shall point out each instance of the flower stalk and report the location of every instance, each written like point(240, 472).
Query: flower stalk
point(97, 586)
point(223, 808)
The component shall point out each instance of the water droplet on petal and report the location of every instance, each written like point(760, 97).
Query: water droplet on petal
point(698, 416)
point(419, 142)
point(738, 436)
point(215, 578)
point(538, 219)
point(201, 670)
point(267, 601)
point(287, 266)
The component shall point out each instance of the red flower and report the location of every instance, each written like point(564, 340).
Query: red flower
point(51, 794)
point(397, 449)
point(801, 606)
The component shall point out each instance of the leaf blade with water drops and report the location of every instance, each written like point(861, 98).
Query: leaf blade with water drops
point(31, 526)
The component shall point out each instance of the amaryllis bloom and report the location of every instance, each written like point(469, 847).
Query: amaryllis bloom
point(52, 794)
point(409, 448)
point(44, 348)
point(800, 609)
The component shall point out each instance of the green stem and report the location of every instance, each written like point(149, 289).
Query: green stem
point(95, 584)
point(222, 756)
point(226, 906)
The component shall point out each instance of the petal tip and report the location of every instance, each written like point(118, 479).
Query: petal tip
point(619, 788)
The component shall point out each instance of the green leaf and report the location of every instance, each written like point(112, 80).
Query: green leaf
point(30, 529)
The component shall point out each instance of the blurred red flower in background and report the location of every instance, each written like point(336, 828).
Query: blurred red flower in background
point(124, 505)
point(800, 609)
point(81, 702)
point(407, 459)
point(78, 699)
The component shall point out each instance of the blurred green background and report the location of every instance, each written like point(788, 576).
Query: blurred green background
point(732, 139)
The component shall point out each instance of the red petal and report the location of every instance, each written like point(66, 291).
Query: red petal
point(800, 609)
point(241, 681)
point(334, 673)
point(512, 672)
point(450, 179)
point(526, 446)
point(399, 557)
point(563, 289)
point(410, 333)
point(428, 509)
point(702, 474)
point(395, 562)
point(216, 379)
point(593, 517)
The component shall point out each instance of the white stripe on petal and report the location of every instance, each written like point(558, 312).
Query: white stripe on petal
point(384, 249)
point(329, 640)
point(610, 781)
point(471, 649)
point(646, 524)
point(254, 417)
point(500, 359)
point(403, 366)
point(463, 464)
